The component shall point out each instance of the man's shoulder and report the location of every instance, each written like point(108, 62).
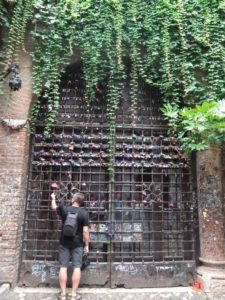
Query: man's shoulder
point(83, 214)
point(79, 210)
point(83, 211)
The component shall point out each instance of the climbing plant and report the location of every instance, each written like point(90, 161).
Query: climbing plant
point(174, 45)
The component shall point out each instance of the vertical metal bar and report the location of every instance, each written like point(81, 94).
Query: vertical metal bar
point(111, 189)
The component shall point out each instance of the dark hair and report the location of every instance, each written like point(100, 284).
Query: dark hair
point(79, 198)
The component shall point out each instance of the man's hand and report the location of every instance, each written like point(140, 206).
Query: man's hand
point(53, 204)
point(86, 249)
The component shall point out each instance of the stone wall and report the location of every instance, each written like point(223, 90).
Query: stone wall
point(14, 147)
point(211, 204)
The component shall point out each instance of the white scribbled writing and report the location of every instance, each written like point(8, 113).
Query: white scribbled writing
point(39, 271)
point(131, 269)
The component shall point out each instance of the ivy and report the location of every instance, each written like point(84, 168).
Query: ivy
point(22, 13)
point(174, 45)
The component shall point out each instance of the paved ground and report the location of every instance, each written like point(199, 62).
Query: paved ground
point(179, 293)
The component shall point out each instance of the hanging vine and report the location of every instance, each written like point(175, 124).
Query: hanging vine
point(22, 14)
point(174, 45)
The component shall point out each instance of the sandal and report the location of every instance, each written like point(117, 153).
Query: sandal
point(61, 296)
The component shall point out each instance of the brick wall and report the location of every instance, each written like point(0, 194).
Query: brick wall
point(14, 146)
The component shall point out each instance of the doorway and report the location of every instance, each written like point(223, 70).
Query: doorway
point(141, 224)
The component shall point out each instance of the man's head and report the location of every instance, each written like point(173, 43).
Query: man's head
point(77, 199)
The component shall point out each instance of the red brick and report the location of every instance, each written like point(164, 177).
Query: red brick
point(13, 174)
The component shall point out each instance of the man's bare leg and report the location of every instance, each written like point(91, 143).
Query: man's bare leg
point(63, 280)
point(75, 280)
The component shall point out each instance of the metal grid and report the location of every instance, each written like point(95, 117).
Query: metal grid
point(145, 215)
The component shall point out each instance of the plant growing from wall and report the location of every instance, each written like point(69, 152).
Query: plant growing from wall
point(174, 45)
point(199, 127)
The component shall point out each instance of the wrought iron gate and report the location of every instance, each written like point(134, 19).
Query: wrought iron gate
point(142, 224)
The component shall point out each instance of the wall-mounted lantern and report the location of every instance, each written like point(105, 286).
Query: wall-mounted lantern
point(15, 81)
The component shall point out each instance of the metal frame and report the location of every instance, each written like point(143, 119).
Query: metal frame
point(143, 218)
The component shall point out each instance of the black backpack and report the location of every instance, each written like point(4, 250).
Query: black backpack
point(70, 225)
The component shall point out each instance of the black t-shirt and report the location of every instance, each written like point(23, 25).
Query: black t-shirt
point(77, 241)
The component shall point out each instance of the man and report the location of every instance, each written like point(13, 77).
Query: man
point(72, 246)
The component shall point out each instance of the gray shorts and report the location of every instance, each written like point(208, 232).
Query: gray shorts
point(75, 254)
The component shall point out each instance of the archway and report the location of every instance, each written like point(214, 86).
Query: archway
point(142, 229)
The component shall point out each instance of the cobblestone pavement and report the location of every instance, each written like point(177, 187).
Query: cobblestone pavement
point(117, 294)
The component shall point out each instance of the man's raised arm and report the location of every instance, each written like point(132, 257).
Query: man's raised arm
point(53, 203)
point(86, 238)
